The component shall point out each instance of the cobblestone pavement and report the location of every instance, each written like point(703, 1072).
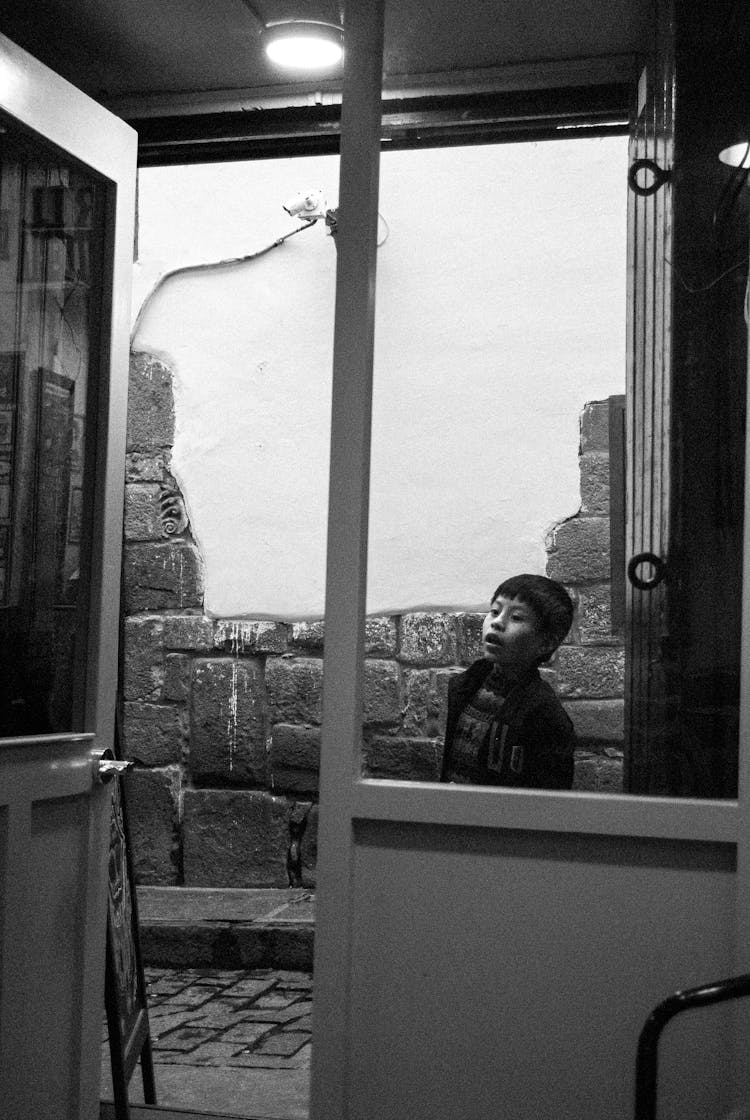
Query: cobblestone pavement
point(211, 1029)
point(258, 1019)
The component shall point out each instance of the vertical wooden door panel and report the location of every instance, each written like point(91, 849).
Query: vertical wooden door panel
point(648, 421)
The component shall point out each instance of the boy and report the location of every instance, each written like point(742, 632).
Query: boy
point(505, 725)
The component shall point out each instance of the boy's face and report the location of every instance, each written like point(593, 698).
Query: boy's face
point(512, 637)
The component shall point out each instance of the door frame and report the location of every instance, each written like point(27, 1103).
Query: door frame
point(347, 800)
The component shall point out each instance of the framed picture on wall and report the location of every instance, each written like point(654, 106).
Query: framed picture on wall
point(6, 429)
point(4, 235)
point(54, 442)
point(4, 561)
point(11, 362)
point(74, 515)
point(5, 489)
point(76, 444)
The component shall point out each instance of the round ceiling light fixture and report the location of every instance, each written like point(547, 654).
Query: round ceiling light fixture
point(304, 44)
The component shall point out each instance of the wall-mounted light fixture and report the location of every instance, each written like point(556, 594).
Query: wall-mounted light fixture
point(736, 155)
point(300, 44)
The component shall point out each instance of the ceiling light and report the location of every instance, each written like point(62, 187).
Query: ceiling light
point(304, 44)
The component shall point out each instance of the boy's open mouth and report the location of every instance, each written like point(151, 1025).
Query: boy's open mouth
point(493, 640)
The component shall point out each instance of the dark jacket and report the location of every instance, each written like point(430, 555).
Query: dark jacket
point(539, 742)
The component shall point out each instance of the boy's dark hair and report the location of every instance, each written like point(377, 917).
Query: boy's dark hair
point(547, 598)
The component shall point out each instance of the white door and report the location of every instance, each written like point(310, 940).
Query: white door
point(67, 193)
point(484, 953)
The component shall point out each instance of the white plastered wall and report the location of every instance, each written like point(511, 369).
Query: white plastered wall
point(500, 313)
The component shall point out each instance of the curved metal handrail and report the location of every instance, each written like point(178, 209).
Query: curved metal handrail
point(646, 1065)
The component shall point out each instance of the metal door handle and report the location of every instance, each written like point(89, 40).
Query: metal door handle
point(109, 767)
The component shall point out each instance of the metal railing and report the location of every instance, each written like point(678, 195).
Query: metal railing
point(646, 1065)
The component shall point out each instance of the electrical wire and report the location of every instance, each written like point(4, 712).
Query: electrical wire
point(209, 266)
point(705, 287)
point(387, 230)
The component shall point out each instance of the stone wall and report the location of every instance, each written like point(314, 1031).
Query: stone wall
point(223, 716)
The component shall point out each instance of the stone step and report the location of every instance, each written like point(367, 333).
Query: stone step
point(226, 927)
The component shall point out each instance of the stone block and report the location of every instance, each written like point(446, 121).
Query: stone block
point(293, 687)
point(309, 636)
point(189, 632)
point(427, 638)
point(578, 550)
point(234, 838)
point(150, 425)
point(143, 657)
point(597, 773)
point(217, 945)
point(295, 758)
point(594, 467)
point(419, 702)
point(595, 426)
point(151, 797)
point(380, 636)
point(598, 721)
point(240, 636)
point(310, 848)
point(142, 513)
point(227, 721)
point(381, 701)
point(145, 468)
point(468, 629)
point(153, 733)
point(594, 614)
point(592, 671)
point(166, 576)
point(441, 678)
point(176, 685)
point(411, 760)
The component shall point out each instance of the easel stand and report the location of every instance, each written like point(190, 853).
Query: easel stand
point(125, 987)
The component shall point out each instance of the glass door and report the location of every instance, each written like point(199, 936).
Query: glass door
point(528, 932)
point(67, 193)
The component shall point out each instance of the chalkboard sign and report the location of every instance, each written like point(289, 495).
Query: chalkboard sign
point(125, 988)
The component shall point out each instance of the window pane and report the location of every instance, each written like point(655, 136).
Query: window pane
point(50, 272)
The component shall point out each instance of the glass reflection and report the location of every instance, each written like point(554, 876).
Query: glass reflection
point(50, 272)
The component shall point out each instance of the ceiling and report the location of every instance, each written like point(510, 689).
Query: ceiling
point(141, 57)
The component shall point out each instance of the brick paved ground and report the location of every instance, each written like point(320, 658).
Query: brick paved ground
point(208, 1021)
point(258, 1019)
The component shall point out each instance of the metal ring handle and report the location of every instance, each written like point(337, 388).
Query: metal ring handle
point(656, 562)
point(660, 177)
